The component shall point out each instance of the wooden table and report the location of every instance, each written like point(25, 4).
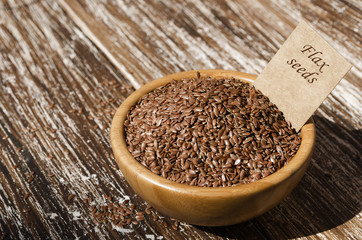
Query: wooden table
point(66, 65)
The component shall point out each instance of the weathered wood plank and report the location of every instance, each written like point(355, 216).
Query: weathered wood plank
point(58, 91)
point(48, 68)
point(146, 40)
point(162, 37)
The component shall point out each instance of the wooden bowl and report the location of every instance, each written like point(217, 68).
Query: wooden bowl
point(207, 206)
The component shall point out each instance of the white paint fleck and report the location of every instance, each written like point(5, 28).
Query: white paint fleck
point(52, 215)
point(84, 178)
point(122, 230)
point(150, 236)
point(76, 215)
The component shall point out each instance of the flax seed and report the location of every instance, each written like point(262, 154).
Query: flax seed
point(214, 132)
point(26, 210)
point(30, 179)
point(71, 196)
point(26, 195)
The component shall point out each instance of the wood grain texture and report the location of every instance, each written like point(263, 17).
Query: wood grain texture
point(69, 66)
point(146, 40)
point(57, 97)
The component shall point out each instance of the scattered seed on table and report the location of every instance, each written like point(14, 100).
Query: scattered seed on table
point(71, 196)
point(53, 130)
point(27, 210)
point(30, 179)
point(26, 195)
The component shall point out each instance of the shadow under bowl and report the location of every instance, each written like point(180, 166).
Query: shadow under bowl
point(207, 206)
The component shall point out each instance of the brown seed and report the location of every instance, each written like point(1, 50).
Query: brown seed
point(71, 196)
point(26, 195)
point(26, 210)
point(30, 179)
point(222, 128)
point(53, 130)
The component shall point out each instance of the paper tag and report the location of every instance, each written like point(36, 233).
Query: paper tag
point(302, 74)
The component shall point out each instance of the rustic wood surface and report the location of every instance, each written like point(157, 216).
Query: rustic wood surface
point(66, 65)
